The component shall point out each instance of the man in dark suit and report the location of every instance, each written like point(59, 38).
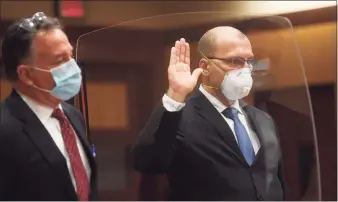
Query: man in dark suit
point(212, 146)
point(44, 152)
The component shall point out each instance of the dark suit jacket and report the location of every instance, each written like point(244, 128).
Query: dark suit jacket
point(32, 167)
point(197, 150)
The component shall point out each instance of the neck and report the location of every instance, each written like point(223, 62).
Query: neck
point(44, 98)
point(217, 93)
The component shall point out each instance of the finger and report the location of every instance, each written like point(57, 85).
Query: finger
point(182, 46)
point(172, 56)
point(197, 72)
point(187, 54)
point(178, 51)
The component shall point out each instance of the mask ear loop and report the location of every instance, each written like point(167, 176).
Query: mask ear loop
point(205, 57)
point(42, 89)
point(37, 87)
point(39, 69)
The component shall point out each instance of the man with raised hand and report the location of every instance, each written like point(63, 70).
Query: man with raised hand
point(212, 145)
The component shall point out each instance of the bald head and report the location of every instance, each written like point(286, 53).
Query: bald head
point(210, 40)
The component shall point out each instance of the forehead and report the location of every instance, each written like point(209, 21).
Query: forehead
point(50, 42)
point(234, 47)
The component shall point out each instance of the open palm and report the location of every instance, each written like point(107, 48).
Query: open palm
point(181, 80)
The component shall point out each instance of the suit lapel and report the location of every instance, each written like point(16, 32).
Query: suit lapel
point(209, 113)
point(42, 140)
point(79, 128)
point(252, 119)
point(77, 125)
point(266, 132)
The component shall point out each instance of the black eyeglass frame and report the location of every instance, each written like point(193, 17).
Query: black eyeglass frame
point(236, 62)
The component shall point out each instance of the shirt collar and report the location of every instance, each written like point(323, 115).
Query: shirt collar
point(220, 107)
point(43, 112)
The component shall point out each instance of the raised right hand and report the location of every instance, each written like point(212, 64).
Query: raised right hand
point(181, 80)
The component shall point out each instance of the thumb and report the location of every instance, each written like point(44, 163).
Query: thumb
point(197, 72)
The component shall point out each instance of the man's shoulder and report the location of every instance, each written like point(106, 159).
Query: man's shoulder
point(5, 111)
point(8, 122)
point(70, 108)
point(261, 112)
point(250, 108)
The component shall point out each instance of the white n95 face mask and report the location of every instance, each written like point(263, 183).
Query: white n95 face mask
point(237, 83)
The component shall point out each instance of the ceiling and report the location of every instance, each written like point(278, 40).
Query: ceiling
point(115, 12)
point(107, 13)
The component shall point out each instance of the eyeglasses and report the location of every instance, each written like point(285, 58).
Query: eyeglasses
point(31, 23)
point(237, 62)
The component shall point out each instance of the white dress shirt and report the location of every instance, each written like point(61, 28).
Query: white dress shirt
point(53, 127)
point(171, 105)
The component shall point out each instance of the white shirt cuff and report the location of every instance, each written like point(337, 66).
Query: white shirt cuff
point(171, 105)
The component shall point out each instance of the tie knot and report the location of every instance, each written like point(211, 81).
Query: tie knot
point(230, 113)
point(58, 114)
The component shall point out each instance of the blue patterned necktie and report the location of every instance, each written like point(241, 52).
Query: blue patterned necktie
point(241, 134)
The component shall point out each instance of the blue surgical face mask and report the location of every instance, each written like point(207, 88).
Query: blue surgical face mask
point(67, 78)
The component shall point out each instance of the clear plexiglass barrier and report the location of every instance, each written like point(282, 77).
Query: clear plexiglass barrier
point(126, 65)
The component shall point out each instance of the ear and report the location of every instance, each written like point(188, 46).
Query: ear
point(24, 76)
point(204, 64)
